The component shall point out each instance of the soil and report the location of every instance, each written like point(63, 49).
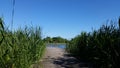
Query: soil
point(57, 58)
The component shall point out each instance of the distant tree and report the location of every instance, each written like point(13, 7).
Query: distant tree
point(47, 40)
point(58, 40)
point(55, 40)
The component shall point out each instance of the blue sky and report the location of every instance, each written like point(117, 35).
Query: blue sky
point(65, 18)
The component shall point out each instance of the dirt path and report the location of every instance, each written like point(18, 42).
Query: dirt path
point(58, 58)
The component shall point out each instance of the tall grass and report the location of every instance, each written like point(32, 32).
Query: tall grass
point(101, 47)
point(21, 48)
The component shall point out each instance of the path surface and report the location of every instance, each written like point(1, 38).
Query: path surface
point(58, 58)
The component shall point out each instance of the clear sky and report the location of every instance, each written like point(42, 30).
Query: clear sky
point(65, 18)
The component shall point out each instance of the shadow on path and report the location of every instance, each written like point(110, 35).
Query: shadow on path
point(67, 61)
point(58, 58)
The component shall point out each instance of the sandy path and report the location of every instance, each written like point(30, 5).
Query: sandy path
point(51, 55)
point(56, 58)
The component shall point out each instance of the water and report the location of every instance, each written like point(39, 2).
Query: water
point(62, 46)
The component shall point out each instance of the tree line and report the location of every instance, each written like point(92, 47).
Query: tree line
point(55, 40)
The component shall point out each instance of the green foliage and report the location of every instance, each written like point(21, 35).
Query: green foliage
point(21, 48)
point(55, 40)
point(102, 46)
point(47, 40)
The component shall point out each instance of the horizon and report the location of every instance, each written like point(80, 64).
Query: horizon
point(64, 18)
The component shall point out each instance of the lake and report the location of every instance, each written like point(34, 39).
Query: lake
point(58, 45)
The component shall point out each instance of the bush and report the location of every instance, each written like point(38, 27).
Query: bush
point(21, 48)
point(102, 46)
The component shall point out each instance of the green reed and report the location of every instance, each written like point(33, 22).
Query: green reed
point(101, 47)
point(21, 48)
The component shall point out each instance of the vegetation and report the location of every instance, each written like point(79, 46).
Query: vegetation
point(21, 48)
point(101, 47)
point(55, 40)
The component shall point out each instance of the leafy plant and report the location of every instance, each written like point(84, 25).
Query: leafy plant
point(101, 47)
point(21, 48)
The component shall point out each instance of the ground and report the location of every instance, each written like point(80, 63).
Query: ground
point(58, 58)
